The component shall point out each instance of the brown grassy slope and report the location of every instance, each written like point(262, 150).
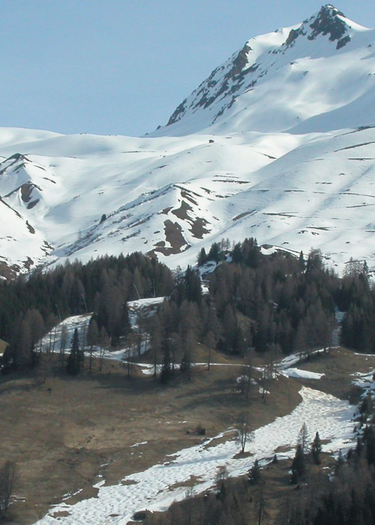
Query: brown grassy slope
point(61, 432)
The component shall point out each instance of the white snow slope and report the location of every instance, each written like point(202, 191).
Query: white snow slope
point(155, 488)
point(278, 144)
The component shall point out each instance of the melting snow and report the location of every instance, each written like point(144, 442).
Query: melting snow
point(155, 488)
point(138, 444)
point(301, 374)
point(366, 381)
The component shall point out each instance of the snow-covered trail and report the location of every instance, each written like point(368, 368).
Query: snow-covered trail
point(155, 488)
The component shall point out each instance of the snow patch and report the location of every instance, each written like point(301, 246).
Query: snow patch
point(153, 488)
point(301, 374)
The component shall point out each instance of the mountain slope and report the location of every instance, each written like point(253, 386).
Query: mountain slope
point(277, 144)
point(279, 80)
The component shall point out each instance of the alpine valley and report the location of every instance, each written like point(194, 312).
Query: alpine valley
point(237, 392)
point(278, 143)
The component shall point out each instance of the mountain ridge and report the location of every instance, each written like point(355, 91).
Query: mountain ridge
point(301, 101)
point(317, 37)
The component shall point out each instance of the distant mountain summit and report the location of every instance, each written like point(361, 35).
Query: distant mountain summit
point(278, 143)
point(329, 21)
point(278, 80)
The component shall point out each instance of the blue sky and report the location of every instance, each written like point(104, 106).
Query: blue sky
point(122, 66)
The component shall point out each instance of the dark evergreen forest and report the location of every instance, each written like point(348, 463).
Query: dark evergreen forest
point(31, 306)
point(277, 303)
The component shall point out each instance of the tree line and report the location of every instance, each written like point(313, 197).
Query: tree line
point(274, 304)
point(31, 306)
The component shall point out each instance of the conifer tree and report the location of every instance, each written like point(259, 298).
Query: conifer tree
point(166, 371)
point(316, 449)
point(75, 358)
point(7, 474)
point(298, 465)
point(301, 261)
point(202, 257)
point(103, 345)
point(303, 438)
point(92, 338)
point(255, 476)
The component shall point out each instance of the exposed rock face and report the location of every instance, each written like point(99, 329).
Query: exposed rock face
point(328, 22)
point(243, 71)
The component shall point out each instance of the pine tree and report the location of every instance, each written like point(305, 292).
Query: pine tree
point(166, 371)
point(202, 257)
point(301, 262)
point(75, 358)
point(156, 342)
point(303, 438)
point(316, 449)
point(210, 342)
point(103, 345)
point(260, 505)
point(214, 253)
point(92, 338)
point(298, 465)
point(339, 462)
point(7, 474)
point(255, 476)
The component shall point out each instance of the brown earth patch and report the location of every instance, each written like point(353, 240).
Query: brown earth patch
point(173, 235)
point(198, 226)
point(242, 215)
point(188, 196)
point(61, 514)
point(182, 211)
point(199, 229)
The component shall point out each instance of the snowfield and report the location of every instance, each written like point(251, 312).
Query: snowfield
point(278, 143)
point(156, 488)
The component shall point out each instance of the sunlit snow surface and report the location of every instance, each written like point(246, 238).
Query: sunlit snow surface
point(366, 381)
point(153, 488)
point(52, 342)
point(301, 374)
point(290, 163)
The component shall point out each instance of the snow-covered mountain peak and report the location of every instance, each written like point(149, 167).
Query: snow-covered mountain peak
point(328, 22)
point(22, 181)
point(277, 143)
point(279, 80)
